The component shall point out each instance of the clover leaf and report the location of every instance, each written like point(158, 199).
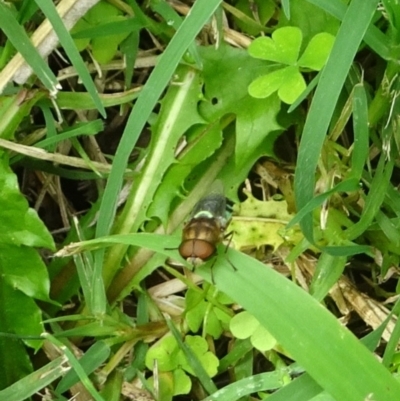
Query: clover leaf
point(171, 358)
point(244, 325)
point(283, 48)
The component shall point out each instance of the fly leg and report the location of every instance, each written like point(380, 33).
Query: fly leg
point(229, 237)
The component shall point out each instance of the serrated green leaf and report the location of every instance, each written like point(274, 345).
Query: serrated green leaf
point(208, 138)
point(226, 82)
point(317, 51)
point(283, 46)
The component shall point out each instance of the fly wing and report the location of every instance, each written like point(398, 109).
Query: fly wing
point(213, 204)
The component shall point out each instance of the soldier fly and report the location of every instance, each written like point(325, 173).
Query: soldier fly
point(206, 228)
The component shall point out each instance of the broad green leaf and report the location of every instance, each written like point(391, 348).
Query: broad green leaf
point(34, 382)
point(14, 108)
point(317, 51)
point(23, 269)
point(15, 361)
point(283, 46)
point(20, 224)
point(105, 48)
point(19, 315)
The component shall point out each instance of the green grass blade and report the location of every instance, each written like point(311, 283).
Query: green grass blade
point(90, 361)
point(49, 10)
point(252, 384)
point(20, 40)
point(76, 366)
point(328, 270)
point(301, 389)
point(376, 195)
point(361, 135)
point(355, 23)
point(330, 353)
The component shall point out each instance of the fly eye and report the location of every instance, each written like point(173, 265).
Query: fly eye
point(196, 249)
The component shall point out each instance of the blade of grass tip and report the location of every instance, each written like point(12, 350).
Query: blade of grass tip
point(355, 23)
point(20, 40)
point(49, 10)
point(200, 13)
point(374, 38)
point(328, 270)
point(360, 128)
point(193, 361)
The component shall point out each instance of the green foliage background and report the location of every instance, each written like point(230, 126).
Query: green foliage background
point(319, 77)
